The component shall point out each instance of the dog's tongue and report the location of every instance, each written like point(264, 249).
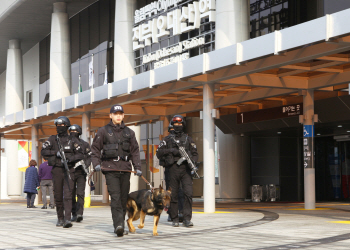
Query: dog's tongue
point(165, 209)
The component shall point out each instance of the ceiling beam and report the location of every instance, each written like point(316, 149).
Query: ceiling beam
point(263, 80)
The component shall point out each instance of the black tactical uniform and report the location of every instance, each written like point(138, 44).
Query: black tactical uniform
point(177, 173)
point(62, 184)
point(112, 149)
point(79, 176)
point(167, 180)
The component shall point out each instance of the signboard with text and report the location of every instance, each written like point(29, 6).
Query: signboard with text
point(270, 114)
point(169, 18)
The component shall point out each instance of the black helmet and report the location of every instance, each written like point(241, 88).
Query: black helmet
point(62, 120)
point(75, 127)
point(170, 127)
point(178, 119)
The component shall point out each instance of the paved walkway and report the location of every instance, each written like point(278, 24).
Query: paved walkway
point(239, 225)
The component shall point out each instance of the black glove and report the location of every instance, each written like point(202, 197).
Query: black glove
point(98, 168)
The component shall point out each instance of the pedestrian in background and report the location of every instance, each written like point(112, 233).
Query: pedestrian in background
point(45, 180)
point(31, 184)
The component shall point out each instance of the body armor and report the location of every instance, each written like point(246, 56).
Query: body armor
point(116, 146)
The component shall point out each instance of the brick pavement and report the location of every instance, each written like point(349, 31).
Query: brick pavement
point(238, 225)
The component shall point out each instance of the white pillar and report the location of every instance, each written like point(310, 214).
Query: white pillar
point(134, 179)
point(308, 163)
point(123, 52)
point(35, 153)
point(232, 22)
point(60, 65)
point(14, 103)
point(14, 78)
point(85, 127)
point(208, 149)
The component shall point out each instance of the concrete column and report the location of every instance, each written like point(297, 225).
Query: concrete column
point(134, 179)
point(308, 143)
point(35, 153)
point(85, 127)
point(14, 78)
point(14, 103)
point(60, 64)
point(232, 22)
point(208, 149)
point(123, 52)
point(105, 195)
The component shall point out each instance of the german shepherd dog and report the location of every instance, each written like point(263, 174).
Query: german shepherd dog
point(145, 202)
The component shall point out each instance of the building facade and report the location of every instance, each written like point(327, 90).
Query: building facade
point(236, 69)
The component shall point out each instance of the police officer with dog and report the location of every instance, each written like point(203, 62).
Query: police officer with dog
point(81, 171)
point(179, 173)
point(113, 148)
point(62, 151)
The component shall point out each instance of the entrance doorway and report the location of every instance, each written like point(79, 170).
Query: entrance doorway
point(332, 166)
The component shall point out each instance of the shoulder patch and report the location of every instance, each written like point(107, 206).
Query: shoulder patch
point(162, 143)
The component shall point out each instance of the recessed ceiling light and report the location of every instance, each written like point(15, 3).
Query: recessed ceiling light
point(279, 133)
point(320, 134)
point(340, 126)
point(348, 131)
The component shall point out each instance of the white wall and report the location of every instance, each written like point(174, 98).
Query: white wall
point(31, 74)
point(2, 93)
point(234, 165)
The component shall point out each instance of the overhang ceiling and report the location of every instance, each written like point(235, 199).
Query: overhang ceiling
point(30, 21)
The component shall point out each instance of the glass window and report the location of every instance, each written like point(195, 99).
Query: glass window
point(29, 97)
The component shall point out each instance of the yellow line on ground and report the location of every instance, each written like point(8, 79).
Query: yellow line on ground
point(341, 222)
point(318, 208)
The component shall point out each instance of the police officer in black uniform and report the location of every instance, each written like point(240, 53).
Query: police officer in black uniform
point(179, 173)
point(113, 148)
point(62, 184)
point(79, 175)
point(167, 180)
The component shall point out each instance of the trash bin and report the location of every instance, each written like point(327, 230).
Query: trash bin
point(273, 192)
point(256, 193)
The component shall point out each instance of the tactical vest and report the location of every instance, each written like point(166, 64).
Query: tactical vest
point(183, 141)
point(116, 146)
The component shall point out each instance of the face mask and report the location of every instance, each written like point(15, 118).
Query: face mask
point(75, 134)
point(61, 129)
point(178, 129)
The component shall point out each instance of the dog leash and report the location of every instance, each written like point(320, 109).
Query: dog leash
point(129, 171)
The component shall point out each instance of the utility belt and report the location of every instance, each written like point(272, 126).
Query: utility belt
point(118, 158)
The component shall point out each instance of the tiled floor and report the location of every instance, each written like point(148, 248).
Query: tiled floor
point(237, 225)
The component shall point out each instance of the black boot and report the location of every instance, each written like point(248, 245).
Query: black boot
point(59, 223)
point(119, 231)
point(169, 218)
point(79, 218)
point(67, 224)
point(44, 207)
point(181, 217)
point(74, 218)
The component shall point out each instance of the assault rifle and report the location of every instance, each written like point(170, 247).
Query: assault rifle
point(186, 157)
point(63, 160)
point(82, 163)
